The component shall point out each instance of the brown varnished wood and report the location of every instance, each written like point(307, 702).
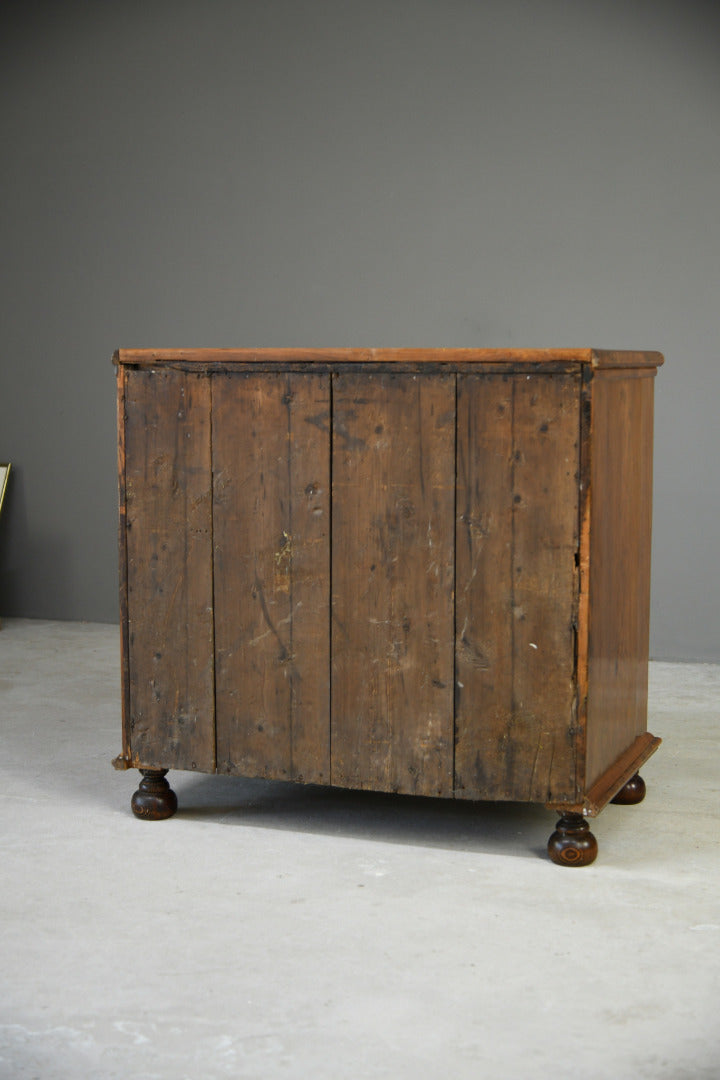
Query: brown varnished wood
point(618, 539)
point(271, 464)
point(613, 779)
point(392, 575)
point(620, 772)
point(154, 799)
point(126, 754)
point(517, 502)
point(626, 358)
point(572, 843)
point(631, 793)
point(169, 570)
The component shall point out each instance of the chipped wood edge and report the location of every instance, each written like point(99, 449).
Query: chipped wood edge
point(598, 359)
point(613, 779)
point(622, 359)
point(583, 578)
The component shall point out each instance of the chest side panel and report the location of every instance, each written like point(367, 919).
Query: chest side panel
point(516, 586)
point(271, 463)
point(620, 527)
point(169, 569)
point(392, 581)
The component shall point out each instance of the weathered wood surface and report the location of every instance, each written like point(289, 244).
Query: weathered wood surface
point(626, 359)
point(143, 357)
point(169, 570)
point(620, 772)
point(392, 583)
point(271, 463)
point(474, 644)
point(404, 356)
point(516, 582)
point(620, 510)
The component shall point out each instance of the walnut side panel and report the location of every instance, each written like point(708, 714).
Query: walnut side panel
point(516, 582)
point(392, 582)
point(169, 570)
point(126, 754)
point(619, 575)
point(271, 459)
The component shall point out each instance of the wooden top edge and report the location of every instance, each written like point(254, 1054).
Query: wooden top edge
point(596, 357)
point(625, 358)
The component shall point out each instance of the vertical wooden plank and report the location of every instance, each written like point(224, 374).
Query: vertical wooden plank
point(392, 581)
point(518, 461)
point(484, 583)
point(169, 568)
point(619, 527)
point(546, 459)
point(271, 460)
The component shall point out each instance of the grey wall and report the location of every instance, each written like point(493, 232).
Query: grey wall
point(367, 172)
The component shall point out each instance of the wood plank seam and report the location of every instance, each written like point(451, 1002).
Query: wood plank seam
point(513, 551)
point(454, 697)
point(331, 452)
point(212, 572)
point(580, 619)
point(287, 540)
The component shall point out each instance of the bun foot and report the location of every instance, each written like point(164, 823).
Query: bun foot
point(632, 793)
point(572, 843)
point(154, 798)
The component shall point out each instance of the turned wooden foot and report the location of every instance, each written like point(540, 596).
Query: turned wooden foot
point(572, 843)
point(633, 792)
point(154, 798)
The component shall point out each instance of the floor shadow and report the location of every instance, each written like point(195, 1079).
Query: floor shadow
point(516, 829)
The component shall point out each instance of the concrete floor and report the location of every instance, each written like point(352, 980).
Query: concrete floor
point(277, 931)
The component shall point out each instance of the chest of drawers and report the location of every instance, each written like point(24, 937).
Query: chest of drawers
point(422, 571)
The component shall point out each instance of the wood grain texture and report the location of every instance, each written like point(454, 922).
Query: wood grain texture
point(611, 781)
point(204, 357)
point(169, 570)
point(619, 536)
point(425, 570)
point(392, 582)
point(271, 462)
point(626, 358)
point(516, 586)
point(583, 577)
point(595, 357)
point(126, 755)
point(484, 649)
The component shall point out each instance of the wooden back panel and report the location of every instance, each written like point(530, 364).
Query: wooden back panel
point(416, 631)
point(168, 548)
point(271, 468)
point(516, 586)
point(392, 582)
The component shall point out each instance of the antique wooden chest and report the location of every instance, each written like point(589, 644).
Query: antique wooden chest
point(422, 571)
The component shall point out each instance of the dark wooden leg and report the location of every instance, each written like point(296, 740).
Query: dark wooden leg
point(154, 798)
point(572, 843)
point(633, 792)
